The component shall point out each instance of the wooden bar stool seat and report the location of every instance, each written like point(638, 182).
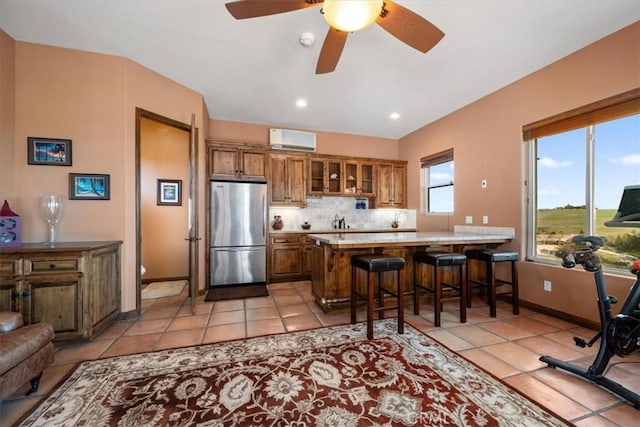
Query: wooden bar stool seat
point(491, 257)
point(439, 261)
point(375, 265)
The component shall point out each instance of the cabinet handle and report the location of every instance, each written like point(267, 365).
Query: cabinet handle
point(26, 294)
point(52, 266)
point(15, 294)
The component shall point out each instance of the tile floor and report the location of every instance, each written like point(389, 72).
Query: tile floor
point(508, 346)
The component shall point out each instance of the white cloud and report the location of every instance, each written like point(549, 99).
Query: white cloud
point(548, 162)
point(543, 192)
point(631, 159)
point(442, 176)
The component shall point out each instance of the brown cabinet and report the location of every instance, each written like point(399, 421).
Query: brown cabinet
point(285, 257)
point(359, 178)
point(326, 176)
point(73, 286)
point(392, 185)
point(287, 180)
point(236, 161)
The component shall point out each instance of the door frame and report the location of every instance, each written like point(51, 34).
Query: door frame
point(193, 196)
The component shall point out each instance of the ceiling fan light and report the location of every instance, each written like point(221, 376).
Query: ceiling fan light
point(351, 15)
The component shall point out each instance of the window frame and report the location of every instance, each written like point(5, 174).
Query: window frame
point(615, 107)
point(426, 163)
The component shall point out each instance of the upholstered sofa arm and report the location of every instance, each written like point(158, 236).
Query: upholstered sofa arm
point(10, 320)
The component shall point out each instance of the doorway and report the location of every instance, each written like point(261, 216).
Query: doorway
point(164, 202)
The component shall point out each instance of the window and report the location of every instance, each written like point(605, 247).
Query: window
point(580, 162)
point(437, 173)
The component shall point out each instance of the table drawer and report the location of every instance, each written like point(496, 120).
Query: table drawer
point(63, 265)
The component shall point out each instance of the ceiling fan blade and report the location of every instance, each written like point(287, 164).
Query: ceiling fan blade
point(253, 8)
point(409, 27)
point(331, 50)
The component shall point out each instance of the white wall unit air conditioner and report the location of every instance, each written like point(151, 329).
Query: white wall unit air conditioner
point(286, 139)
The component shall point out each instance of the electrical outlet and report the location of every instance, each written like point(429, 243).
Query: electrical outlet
point(468, 219)
point(547, 285)
point(484, 183)
point(485, 219)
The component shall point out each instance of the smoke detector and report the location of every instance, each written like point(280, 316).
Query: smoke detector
point(307, 39)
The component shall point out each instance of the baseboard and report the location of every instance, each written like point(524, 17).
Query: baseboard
point(555, 313)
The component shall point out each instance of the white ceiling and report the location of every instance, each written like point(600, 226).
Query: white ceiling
point(254, 70)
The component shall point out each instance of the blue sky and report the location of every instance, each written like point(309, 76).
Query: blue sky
point(562, 158)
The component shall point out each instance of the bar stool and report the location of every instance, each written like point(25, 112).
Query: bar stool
point(374, 265)
point(490, 257)
point(438, 261)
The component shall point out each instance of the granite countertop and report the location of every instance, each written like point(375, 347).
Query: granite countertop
point(313, 230)
point(347, 240)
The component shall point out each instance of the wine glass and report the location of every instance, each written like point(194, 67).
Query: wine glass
point(51, 207)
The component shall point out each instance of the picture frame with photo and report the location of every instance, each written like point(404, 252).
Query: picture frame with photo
point(169, 192)
point(89, 186)
point(49, 151)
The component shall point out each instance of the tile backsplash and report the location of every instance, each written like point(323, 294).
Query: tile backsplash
point(321, 211)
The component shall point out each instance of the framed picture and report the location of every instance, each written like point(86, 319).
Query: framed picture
point(170, 192)
point(48, 151)
point(89, 186)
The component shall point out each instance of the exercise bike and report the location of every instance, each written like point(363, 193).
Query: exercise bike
point(619, 335)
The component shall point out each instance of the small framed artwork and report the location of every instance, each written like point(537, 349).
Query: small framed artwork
point(170, 192)
point(48, 151)
point(89, 186)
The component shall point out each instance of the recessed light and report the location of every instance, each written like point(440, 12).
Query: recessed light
point(394, 116)
point(301, 103)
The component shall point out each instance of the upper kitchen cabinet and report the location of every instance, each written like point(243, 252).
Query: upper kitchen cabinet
point(326, 176)
point(392, 185)
point(287, 180)
point(236, 161)
point(359, 178)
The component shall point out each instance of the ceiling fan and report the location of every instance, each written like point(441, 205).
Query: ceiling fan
point(345, 16)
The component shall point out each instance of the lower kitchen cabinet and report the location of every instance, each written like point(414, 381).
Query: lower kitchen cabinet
point(73, 286)
point(289, 257)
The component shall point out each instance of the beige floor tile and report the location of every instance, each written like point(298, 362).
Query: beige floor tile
point(450, 340)
point(476, 335)
point(586, 394)
point(189, 322)
point(546, 347)
point(623, 414)
point(132, 345)
point(160, 313)
point(489, 362)
point(520, 357)
point(547, 396)
point(299, 323)
point(595, 421)
point(260, 302)
point(264, 327)
point(80, 352)
point(295, 310)
point(220, 333)
point(181, 338)
point(225, 317)
point(148, 327)
point(228, 305)
point(506, 330)
point(288, 299)
point(531, 325)
point(262, 313)
point(116, 330)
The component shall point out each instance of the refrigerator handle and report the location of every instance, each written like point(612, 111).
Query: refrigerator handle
point(264, 215)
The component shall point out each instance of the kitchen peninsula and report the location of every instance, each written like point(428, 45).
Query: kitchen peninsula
point(331, 255)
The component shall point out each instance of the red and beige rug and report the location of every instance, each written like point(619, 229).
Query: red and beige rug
point(324, 377)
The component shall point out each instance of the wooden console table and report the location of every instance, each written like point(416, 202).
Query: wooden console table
point(74, 286)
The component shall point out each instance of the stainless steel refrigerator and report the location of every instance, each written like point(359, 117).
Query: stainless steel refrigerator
point(238, 236)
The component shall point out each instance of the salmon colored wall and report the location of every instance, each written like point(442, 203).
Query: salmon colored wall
point(8, 188)
point(487, 140)
point(326, 142)
point(91, 99)
point(164, 154)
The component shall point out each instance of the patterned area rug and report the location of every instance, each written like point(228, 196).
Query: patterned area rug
point(163, 289)
point(325, 377)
